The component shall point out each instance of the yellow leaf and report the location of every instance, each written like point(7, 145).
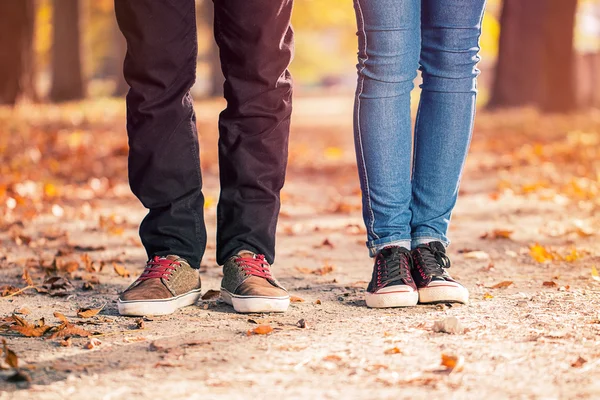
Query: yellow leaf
point(487, 296)
point(121, 270)
point(333, 153)
point(540, 254)
point(453, 363)
point(393, 350)
point(595, 275)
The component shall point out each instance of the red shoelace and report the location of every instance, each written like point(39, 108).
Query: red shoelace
point(256, 266)
point(158, 267)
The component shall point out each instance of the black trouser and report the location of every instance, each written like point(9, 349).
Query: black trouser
point(256, 44)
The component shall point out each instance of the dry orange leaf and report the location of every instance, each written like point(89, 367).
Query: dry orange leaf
point(502, 285)
point(89, 312)
point(66, 342)
point(332, 358)
point(261, 330)
point(27, 278)
point(121, 270)
point(579, 362)
point(38, 329)
point(393, 350)
point(453, 363)
point(9, 356)
point(61, 317)
point(549, 284)
point(296, 299)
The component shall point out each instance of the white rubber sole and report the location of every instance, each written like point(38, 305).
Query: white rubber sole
point(159, 306)
point(393, 296)
point(444, 292)
point(255, 304)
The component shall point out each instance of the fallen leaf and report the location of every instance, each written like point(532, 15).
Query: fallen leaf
point(301, 323)
point(140, 323)
point(211, 295)
point(261, 330)
point(296, 299)
point(332, 358)
point(27, 278)
point(89, 312)
point(393, 350)
point(497, 234)
point(9, 356)
point(121, 270)
point(487, 296)
point(540, 254)
point(326, 243)
point(579, 362)
point(549, 284)
point(61, 317)
point(92, 344)
point(453, 363)
point(23, 311)
point(66, 342)
point(38, 329)
point(501, 285)
point(595, 275)
point(317, 301)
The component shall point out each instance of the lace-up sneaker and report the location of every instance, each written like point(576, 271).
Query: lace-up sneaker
point(167, 283)
point(391, 284)
point(434, 283)
point(249, 286)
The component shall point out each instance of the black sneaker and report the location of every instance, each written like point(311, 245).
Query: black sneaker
point(434, 283)
point(392, 284)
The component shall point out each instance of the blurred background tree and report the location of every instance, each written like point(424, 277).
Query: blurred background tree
point(16, 50)
point(540, 53)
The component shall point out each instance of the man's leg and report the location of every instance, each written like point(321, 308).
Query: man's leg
point(164, 165)
point(256, 43)
point(255, 40)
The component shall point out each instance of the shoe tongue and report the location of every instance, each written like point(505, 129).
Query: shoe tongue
point(246, 254)
point(438, 246)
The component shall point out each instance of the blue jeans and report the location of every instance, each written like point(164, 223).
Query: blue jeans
point(409, 202)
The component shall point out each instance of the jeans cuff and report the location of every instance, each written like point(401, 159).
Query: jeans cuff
point(375, 246)
point(428, 239)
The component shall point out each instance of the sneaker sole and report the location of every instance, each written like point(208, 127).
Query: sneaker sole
point(159, 306)
point(255, 304)
point(444, 294)
point(392, 299)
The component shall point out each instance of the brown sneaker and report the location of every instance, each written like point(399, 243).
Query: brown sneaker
point(249, 286)
point(167, 283)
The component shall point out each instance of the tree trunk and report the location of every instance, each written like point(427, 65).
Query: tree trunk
point(559, 56)
point(536, 56)
point(520, 55)
point(16, 50)
point(67, 76)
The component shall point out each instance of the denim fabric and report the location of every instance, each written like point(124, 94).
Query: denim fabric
point(407, 201)
point(255, 41)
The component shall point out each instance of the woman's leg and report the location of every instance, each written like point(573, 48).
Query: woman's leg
point(450, 31)
point(389, 45)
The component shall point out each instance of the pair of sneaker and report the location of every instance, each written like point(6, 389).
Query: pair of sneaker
point(169, 283)
point(403, 278)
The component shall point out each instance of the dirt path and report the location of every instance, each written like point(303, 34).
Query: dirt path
point(523, 341)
